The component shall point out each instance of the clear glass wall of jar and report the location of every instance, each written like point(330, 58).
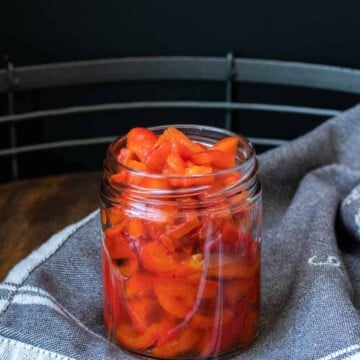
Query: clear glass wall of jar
point(181, 255)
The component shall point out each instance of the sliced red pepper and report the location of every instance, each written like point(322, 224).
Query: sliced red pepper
point(184, 341)
point(232, 267)
point(224, 336)
point(176, 137)
point(121, 177)
point(214, 158)
point(136, 228)
point(139, 284)
point(206, 321)
point(142, 312)
point(118, 248)
point(177, 298)
point(175, 165)
point(149, 182)
point(250, 327)
point(125, 155)
point(157, 158)
point(114, 307)
point(235, 290)
point(156, 258)
point(180, 230)
point(131, 339)
point(228, 145)
point(141, 141)
point(116, 217)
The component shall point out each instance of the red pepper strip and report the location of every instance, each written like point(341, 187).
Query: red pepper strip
point(215, 158)
point(156, 258)
point(119, 250)
point(235, 290)
point(200, 321)
point(250, 327)
point(142, 312)
point(232, 267)
point(176, 137)
point(192, 266)
point(177, 298)
point(228, 145)
point(185, 341)
point(157, 158)
point(141, 141)
point(140, 285)
point(166, 327)
point(178, 231)
point(225, 336)
point(192, 169)
point(175, 165)
point(149, 182)
point(121, 177)
point(130, 338)
point(114, 307)
point(125, 155)
point(136, 228)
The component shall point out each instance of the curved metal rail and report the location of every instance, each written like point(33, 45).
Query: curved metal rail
point(227, 69)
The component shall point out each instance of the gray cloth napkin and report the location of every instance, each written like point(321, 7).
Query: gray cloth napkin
point(51, 303)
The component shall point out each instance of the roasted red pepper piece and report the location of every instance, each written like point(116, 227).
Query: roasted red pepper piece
point(142, 312)
point(180, 142)
point(141, 141)
point(118, 248)
point(156, 258)
point(184, 341)
point(134, 340)
point(227, 145)
point(114, 306)
point(136, 228)
point(157, 158)
point(139, 284)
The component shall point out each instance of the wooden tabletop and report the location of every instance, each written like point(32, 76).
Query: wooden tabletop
point(33, 210)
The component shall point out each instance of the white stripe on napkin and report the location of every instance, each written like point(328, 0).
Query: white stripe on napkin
point(344, 351)
point(16, 350)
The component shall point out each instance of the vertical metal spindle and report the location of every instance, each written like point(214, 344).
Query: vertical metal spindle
point(11, 110)
point(230, 76)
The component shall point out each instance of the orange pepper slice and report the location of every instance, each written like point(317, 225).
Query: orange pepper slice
point(114, 308)
point(228, 145)
point(139, 284)
point(130, 338)
point(180, 230)
point(156, 258)
point(141, 141)
point(175, 165)
point(178, 139)
point(250, 327)
point(157, 158)
point(185, 341)
point(136, 228)
point(142, 312)
point(232, 267)
point(235, 290)
point(215, 158)
point(119, 251)
point(202, 321)
point(177, 298)
point(125, 155)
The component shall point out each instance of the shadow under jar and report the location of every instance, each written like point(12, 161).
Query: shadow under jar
point(181, 254)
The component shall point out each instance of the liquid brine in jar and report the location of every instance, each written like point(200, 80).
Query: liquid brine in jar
point(181, 218)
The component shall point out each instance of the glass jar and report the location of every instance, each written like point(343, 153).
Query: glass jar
point(181, 254)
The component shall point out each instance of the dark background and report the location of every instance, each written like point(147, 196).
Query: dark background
point(36, 32)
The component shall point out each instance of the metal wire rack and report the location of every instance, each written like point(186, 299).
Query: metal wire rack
point(229, 70)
